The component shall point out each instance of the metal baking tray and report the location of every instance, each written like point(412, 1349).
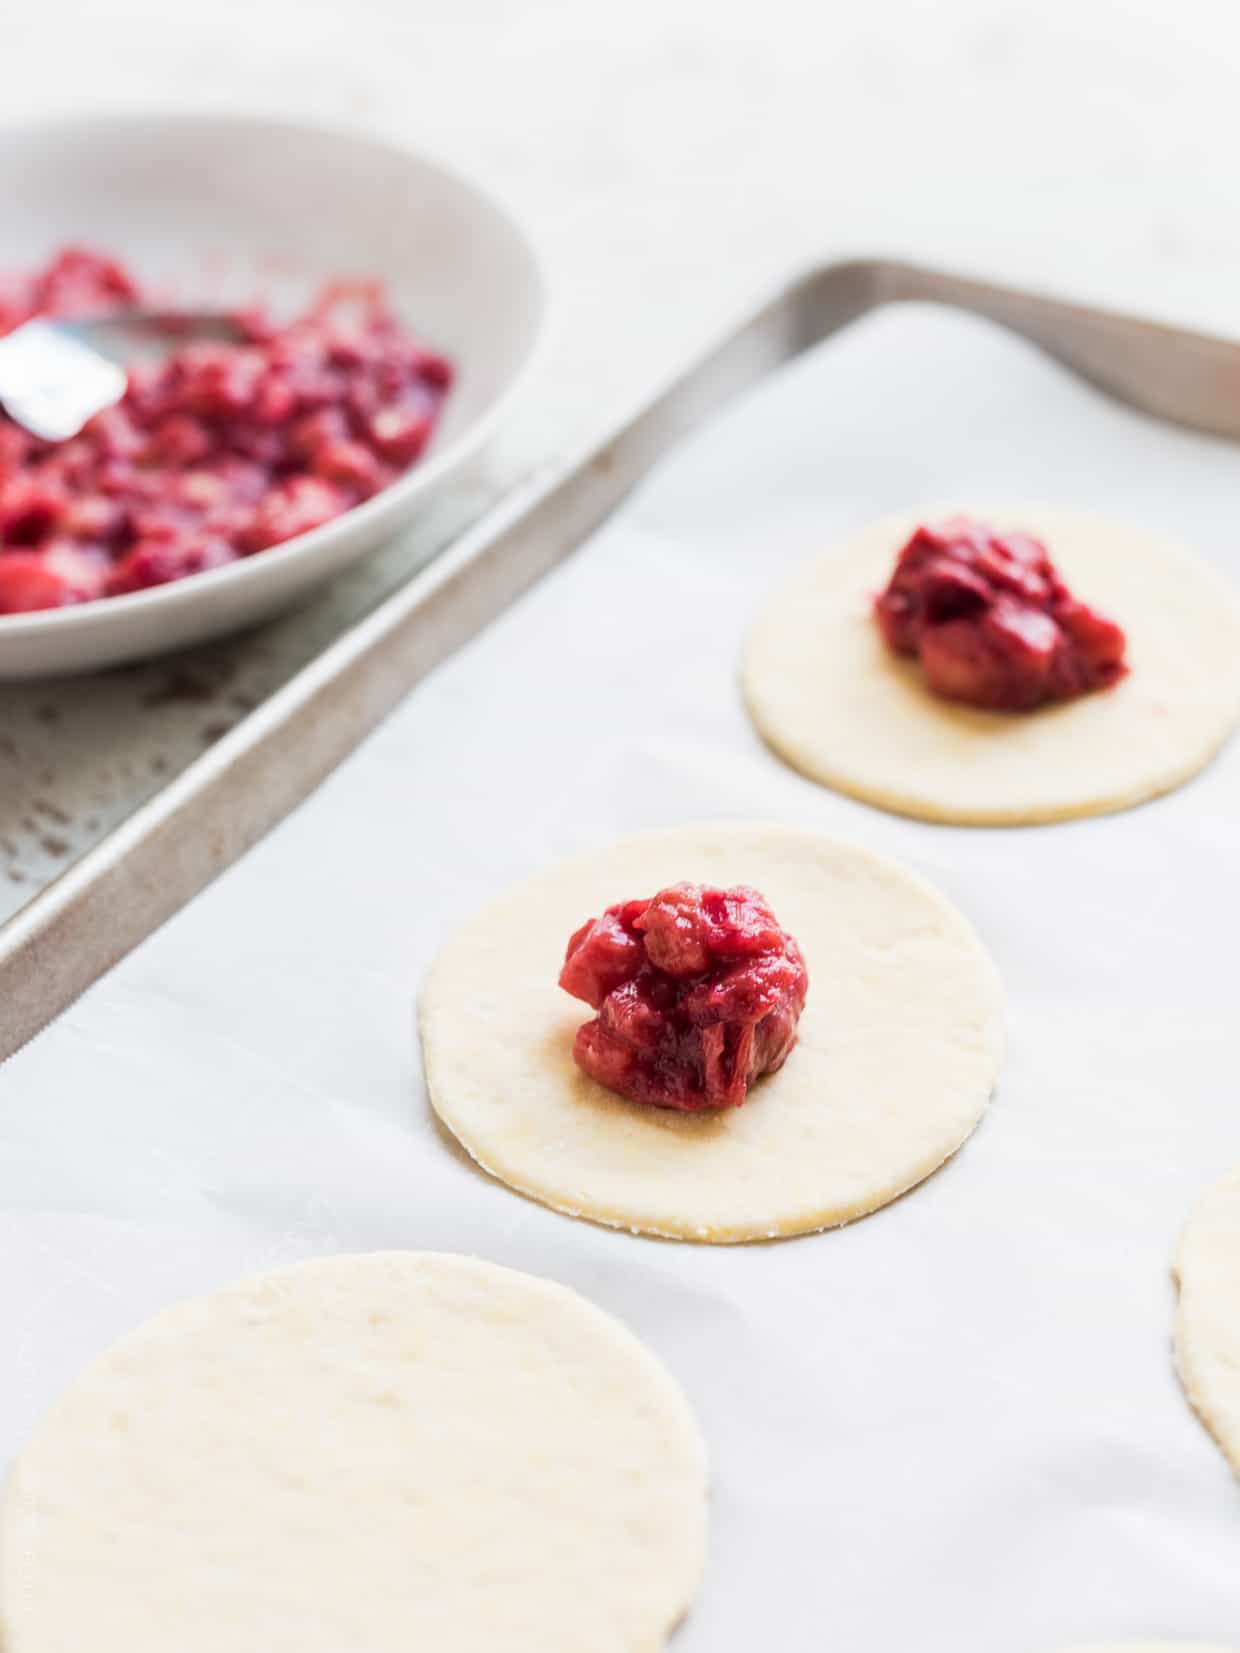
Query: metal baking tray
point(173, 846)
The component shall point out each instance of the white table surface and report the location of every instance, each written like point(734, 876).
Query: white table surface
point(674, 158)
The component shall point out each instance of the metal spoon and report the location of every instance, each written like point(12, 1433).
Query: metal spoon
point(55, 375)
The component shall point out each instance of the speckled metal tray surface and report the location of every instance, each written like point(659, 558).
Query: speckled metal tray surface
point(211, 813)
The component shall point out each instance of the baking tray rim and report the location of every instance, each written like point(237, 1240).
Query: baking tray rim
point(176, 842)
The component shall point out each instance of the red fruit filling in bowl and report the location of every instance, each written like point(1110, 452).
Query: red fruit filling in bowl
point(698, 993)
point(217, 451)
point(991, 621)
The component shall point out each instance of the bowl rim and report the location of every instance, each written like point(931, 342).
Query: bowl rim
point(386, 504)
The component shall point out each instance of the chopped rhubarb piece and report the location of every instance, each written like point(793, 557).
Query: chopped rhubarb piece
point(992, 622)
point(82, 282)
point(294, 507)
point(160, 562)
point(53, 577)
point(27, 583)
point(216, 450)
point(400, 433)
point(698, 992)
point(352, 465)
point(29, 513)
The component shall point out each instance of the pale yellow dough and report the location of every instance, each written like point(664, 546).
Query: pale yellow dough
point(899, 1045)
point(1207, 1331)
point(363, 1455)
point(829, 696)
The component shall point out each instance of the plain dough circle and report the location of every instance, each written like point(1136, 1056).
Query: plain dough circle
point(1207, 1331)
point(361, 1455)
point(832, 699)
point(898, 1050)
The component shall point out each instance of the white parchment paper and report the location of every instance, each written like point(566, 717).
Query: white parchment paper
point(950, 1428)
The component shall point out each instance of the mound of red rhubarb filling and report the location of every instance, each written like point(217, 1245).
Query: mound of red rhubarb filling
point(991, 621)
point(217, 451)
point(698, 993)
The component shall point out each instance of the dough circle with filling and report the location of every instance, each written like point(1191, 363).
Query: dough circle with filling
point(1207, 1330)
point(897, 1053)
point(830, 697)
point(361, 1455)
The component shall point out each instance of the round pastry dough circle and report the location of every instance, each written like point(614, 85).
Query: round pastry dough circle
point(1207, 1331)
point(366, 1453)
point(896, 1057)
point(831, 698)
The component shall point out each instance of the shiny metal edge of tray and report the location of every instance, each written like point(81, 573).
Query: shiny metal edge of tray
point(174, 845)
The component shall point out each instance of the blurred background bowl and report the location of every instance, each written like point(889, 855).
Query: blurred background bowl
point(218, 209)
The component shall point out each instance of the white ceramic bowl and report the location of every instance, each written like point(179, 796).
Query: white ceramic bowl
point(224, 207)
